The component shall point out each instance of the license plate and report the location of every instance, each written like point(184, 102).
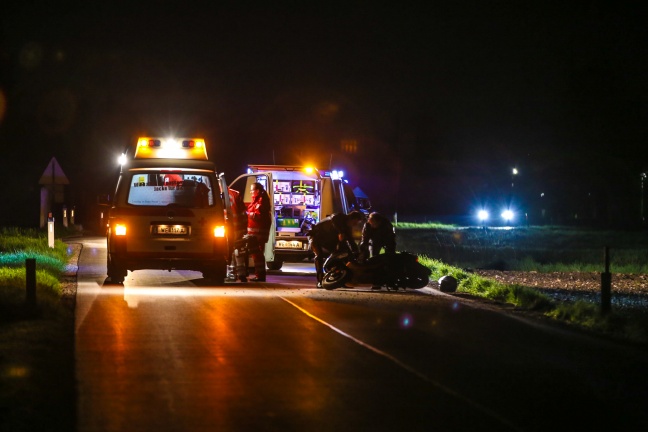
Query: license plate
point(171, 229)
point(289, 244)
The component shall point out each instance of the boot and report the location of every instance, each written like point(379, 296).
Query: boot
point(319, 271)
point(259, 270)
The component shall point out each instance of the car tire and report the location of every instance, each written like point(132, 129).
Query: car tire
point(274, 265)
point(116, 271)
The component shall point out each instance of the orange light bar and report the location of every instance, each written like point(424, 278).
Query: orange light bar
point(170, 148)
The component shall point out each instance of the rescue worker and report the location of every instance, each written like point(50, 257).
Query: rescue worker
point(238, 228)
point(328, 233)
point(378, 233)
point(258, 228)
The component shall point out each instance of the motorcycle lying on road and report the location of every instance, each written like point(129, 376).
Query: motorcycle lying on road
point(392, 270)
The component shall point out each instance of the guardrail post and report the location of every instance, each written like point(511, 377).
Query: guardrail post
point(606, 284)
point(30, 282)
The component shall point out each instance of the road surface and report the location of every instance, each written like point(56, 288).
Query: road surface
point(167, 352)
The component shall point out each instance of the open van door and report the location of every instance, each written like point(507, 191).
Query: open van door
point(242, 184)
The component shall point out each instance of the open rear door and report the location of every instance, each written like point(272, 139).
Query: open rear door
point(242, 184)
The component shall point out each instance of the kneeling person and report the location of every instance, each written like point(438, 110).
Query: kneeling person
point(327, 234)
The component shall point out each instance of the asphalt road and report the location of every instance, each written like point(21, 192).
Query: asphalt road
point(166, 352)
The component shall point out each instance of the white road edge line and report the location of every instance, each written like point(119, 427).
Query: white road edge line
point(407, 367)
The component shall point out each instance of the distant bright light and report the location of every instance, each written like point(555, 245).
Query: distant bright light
point(515, 171)
point(122, 159)
point(507, 215)
point(482, 215)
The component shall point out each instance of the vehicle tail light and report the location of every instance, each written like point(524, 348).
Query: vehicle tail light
point(120, 229)
point(219, 231)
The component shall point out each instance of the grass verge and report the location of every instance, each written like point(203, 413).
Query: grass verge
point(628, 326)
point(37, 390)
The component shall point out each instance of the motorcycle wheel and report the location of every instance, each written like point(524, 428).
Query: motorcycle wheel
point(417, 276)
point(336, 278)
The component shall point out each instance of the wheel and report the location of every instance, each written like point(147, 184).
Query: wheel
point(116, 272)
point(418, 276)
point(274, 265)
point(336, 278)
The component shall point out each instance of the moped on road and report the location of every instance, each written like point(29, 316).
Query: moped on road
point(391, 270)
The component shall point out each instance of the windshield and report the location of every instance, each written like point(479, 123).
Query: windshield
point(163, 188)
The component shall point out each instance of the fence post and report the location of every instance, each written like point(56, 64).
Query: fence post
point(606, 284)
point(30, 282)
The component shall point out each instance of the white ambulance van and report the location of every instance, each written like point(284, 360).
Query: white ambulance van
point(300, 197)
point(168, 211)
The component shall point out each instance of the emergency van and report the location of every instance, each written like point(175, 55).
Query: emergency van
point(168, 211)
point(300, 197)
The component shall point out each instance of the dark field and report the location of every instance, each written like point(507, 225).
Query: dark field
point(529, 248)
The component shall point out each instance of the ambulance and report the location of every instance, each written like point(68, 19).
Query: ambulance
point(300, 197)
point(168, 211)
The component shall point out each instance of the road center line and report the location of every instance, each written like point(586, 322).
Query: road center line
point(407, 367)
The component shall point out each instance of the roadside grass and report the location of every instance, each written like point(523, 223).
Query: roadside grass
point(37, 389)
point(630, 326)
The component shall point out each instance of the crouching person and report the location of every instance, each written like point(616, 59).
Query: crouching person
point(377, 234)
point(327, 234)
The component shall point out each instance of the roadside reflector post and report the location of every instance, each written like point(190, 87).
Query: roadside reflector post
point(65, 216)
point(606, 284)
point(30, 282)
point(50, 231)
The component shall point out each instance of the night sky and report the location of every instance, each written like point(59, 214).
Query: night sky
point(439, 102)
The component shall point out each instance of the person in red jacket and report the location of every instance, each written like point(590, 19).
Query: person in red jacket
point(259, 223)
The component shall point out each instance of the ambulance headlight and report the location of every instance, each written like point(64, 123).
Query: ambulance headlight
point(219, 231)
